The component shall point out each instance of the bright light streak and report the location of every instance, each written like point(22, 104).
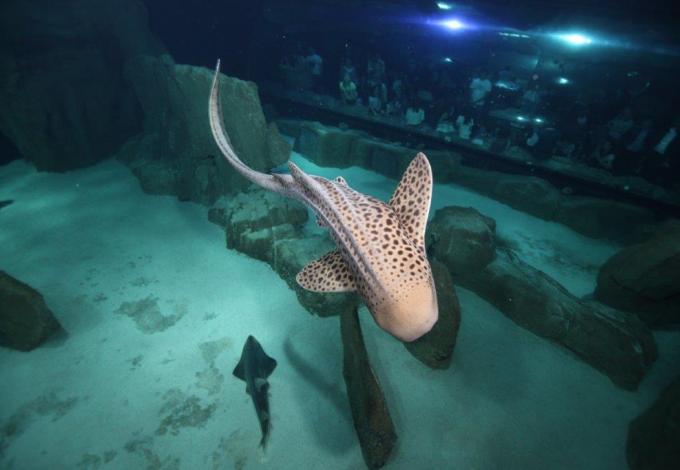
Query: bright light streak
point(563, 81)
point(444, 6)
point(575, 39)
point(539, 120)
point(448, 60)
point(521, 118)
point(514, 35)
point(454, 24)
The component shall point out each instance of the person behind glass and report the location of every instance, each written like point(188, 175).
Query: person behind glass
point(375, 68)
point(415, 115)
point(480, 86)
point(348, 90)
point(375, 101)
point(315, 65)
point(348, 69)
point(445, 125)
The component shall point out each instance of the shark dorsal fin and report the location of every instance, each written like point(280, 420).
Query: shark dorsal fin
point(329, 273)
point(411, 200)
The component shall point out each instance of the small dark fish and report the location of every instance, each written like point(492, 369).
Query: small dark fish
point(5, 203)
point(254, 368)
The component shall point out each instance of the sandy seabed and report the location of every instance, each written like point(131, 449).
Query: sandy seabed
point(156, 312)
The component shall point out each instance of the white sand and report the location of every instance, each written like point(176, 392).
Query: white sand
point(91, 241)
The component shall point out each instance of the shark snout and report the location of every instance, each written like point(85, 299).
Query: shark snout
point(411, 315)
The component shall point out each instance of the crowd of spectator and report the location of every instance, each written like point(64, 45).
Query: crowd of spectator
point(609, 128)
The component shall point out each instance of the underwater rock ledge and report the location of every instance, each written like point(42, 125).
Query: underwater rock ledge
point(614, 342)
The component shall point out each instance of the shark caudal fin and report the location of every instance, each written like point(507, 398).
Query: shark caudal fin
point(412, 198)
point(329, 273)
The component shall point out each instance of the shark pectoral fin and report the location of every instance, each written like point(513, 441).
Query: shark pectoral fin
point(329, 273)
point(268, 366)
point(411, 200)
point(238, 370)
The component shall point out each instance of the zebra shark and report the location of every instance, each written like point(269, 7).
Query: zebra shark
point(380, 247)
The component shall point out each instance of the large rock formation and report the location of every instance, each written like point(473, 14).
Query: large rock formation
point(654, 436)
point(645, 278)
point(65, 103)
point(614, 342)
point(372, 420)
point(25, 319)
point(176, 153)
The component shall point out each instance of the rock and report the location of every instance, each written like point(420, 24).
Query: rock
point(533, 195)
point(616, 343)
point(382, 157)
point(654, 436)
point(25, 320)
point(435, 349)
point(645, 278)
point(258, 208)
point(327, 146)
point(259, 244)
point(462, 238)
point(372, 420)
point(445, 164)
point(267, 226)
point(293, 254)
point(65, 103)
point(176, 140)
point(603, 218)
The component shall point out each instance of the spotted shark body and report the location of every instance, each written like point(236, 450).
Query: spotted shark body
point(380, 247)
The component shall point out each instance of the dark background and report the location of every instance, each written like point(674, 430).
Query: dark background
point(198, 32)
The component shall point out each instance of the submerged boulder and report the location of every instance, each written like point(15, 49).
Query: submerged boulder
point(645, 278)
point(176, 140)
point(372, 420)
point(462, 238)
point(25, 320)
point(616, 343)
point(654, 436)
point(65, 102)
